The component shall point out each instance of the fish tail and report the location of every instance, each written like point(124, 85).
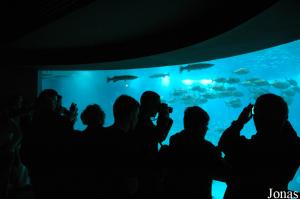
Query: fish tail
point(108, 79)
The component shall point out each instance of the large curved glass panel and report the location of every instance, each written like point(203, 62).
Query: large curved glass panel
point(222, 89)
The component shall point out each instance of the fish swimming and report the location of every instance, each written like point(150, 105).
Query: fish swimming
point(198, 66)
point(296, 89)
point(280, 84)
point(233, 80)
point(293, 82)
point(221, 80)
point(120, 78)
point(234, 103)
point(241, 71)
point(159, 75)
point(218, 87)
point(289, 92)
point(261, 82)
point(199, 89)
point(179, 92)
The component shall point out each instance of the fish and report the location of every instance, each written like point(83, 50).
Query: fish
point(198, 88)
point(198, 66)
point(237, 94)
point(234, 103)
point(247, 83)
point(121, 78)
point(231, 88)
point(280, 84)
point(189, 100)
point(261, 82)
point(218, 87)
point(292, 82)
point(296, 89)
point(233, 80)
point(289, 92)
point(253, 79)
point(201, 100)
point(221, 80)
point(241, 71)
point(179, 92)
point(159, 75)
point(209, 95)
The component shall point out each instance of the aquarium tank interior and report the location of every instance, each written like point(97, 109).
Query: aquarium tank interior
point(223, 87)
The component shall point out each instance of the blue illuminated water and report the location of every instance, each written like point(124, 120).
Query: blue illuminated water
point(278, 66)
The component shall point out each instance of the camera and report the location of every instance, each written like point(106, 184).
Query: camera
point(164, 105)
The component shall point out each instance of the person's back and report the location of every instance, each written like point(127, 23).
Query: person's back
point(147, 137)
point(194, 162)
point(269, 160)
point(85, 154)
point(119, 159)
point(44, 147)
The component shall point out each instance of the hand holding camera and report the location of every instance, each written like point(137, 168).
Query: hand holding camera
point(73, 112)
point(246, 114)
point(165, 110)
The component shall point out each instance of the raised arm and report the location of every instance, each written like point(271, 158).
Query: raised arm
point(230, 139)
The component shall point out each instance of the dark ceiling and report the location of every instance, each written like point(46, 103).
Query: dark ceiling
point(91, 34)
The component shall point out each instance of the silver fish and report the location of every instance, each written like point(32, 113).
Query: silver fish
point(241, 71)
point(198, 66)
point(120, 78)
point(233, 80)
point(159, 75)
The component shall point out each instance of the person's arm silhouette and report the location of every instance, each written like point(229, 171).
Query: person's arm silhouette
point(231, 136)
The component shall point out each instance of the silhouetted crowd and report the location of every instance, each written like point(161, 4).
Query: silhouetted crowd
point(43, 156)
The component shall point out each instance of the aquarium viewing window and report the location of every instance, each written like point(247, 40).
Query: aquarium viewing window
point(222, 87)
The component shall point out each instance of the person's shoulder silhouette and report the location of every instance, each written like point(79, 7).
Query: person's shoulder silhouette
point(257, 161)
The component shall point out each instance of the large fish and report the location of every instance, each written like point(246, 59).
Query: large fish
point(293, 82)
point(221, 80)
point(280, 84)
point(159, 75)
point(241, 71)
point(233, 80)
point(120, 78)
point(234, 103)
point(198, 66)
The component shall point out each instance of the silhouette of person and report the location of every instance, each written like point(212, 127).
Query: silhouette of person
point(148, 136)
point(269, 160)
point(93, 116)
point(13, 175)
point(44, 147)
point(194, 162)
point(121, 153)
point(84, 151)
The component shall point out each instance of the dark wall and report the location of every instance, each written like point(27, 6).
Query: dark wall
point(18, 81)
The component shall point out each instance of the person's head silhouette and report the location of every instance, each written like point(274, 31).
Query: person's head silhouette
point(270, 114)
point(196, 120)
point(93, 115)
point(150, 103)
point(126, 110)
point(47, 100)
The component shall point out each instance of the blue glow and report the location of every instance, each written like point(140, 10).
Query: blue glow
point(206, 82)
point(187, 82)
point(165, 80)
point(270, 70)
